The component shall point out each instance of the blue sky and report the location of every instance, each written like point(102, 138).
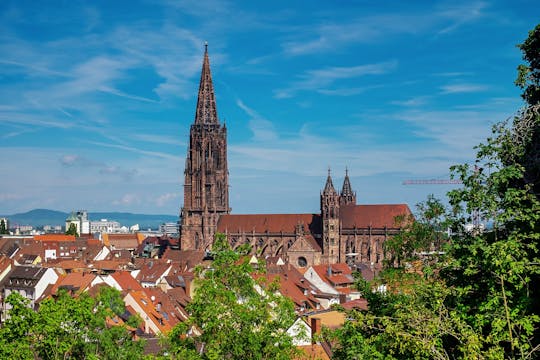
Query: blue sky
point(96, 97)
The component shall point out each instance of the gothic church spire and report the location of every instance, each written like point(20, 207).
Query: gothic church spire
point(206, 112)
point(329, 186)
point(347, 195)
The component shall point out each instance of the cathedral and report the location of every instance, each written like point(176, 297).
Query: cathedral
point(342, 232)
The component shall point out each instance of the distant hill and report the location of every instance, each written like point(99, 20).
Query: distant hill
point(41, 217)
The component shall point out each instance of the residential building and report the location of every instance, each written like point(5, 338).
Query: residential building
point(29, 281)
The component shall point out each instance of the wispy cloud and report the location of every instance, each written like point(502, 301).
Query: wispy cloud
point(370, 28)
point(461, 14)
point(412, 102)
point(136, 150)
point(262, 128)
point(159, 139)
point(82, 162)
point(462, 88)
point(128, 200)
point(165, 199)
point(319, 79)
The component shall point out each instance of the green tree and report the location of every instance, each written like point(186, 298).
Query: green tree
point(495, 271)
point(407, 321)
point(527, 124)
point(482, 300)
point(424, 233)
point(529, 74)
point(66, 327)
point(72, 230)
point(237, 317)
point(3, 228)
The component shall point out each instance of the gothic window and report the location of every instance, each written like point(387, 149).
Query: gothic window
point(197, 243)
point(302, 262)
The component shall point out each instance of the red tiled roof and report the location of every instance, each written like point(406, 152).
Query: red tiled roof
point(186, 258)
point(335, 274)
point(340, 279)
point(376, 216)
point(54, 237)
point(5, 262)
point(312, 352)
point(152, 270)
point(272, 223)
point(360, 304)
point(75, 281)
point(126, 281)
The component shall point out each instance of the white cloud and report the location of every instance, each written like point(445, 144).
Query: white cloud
point(412, 102)
point(263, 129)
point(319, 79)
point(165, 199)
point(128, 199)
point(462, 88)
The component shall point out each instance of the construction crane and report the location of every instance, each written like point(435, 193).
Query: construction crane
point(431, 182)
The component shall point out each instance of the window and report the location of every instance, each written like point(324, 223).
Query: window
point(302, 262)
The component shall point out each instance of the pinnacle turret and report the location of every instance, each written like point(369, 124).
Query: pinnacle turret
point(347, 195)
point(206, 112)
point(329, 187)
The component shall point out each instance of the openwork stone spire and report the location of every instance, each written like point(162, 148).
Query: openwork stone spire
point(329, 187)
point(347, 194)
point(206, 112)
point(206, 185)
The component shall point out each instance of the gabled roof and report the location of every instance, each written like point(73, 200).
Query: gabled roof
point(152, 270)
point(375, 216)
point(187, 259)
point(360, 304)
point(123, 241)
point(304, 242)
point(144, 301)
point(272, 223)
point(293, 285)
point(75, 281)
point(339, 274)
point(126, 281)
point(25, 276)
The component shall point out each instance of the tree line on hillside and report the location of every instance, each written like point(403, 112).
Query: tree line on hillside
point(477, 299)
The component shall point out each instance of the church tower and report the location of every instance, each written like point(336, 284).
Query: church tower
point(347, 196)
point(206, 185)
point(330, 219)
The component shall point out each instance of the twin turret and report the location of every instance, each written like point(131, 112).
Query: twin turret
point(331, 202)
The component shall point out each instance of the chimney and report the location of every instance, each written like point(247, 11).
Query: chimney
point(316, 328)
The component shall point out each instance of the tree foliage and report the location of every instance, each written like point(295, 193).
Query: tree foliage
point(426, 233)
point(482, 299)
point(408, 321)
point(66, 327)
point(236, 316)
point(72, 230)
point(3, 227)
